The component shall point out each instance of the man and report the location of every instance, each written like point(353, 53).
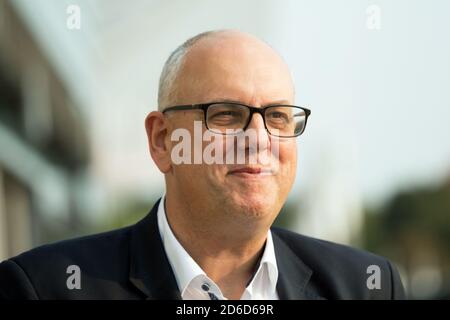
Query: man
point(210, 235)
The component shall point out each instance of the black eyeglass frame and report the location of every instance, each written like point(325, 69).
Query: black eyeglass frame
point(253, 110)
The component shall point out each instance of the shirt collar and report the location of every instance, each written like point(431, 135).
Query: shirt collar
point(269, 261)
point(186, 269)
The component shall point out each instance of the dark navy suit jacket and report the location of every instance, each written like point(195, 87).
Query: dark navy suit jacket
point(131, 263)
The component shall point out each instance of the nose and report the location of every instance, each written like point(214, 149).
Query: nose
point(256, 122)
point(262, 136)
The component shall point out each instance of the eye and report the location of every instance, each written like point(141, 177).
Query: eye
point(225, 117)
point(277, 116)
point(226, 113)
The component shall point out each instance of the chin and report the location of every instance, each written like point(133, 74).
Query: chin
point(255, 205)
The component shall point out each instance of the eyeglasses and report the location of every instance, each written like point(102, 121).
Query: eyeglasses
point(224, 117)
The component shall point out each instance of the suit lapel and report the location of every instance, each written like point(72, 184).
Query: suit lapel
point(150, 270)
point(293, 275)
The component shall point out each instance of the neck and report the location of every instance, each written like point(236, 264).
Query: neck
point(228, 253)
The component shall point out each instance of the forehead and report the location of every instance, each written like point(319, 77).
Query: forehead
point(236, 67)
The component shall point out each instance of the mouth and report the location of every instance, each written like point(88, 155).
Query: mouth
point(251, 172)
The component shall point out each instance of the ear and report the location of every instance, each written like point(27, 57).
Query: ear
point(157, 131)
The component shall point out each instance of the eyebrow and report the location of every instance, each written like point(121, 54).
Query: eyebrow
point(276, 102)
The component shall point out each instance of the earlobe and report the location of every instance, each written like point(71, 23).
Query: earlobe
point(157, 131)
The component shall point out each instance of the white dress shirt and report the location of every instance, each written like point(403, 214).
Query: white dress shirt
point(193, 282)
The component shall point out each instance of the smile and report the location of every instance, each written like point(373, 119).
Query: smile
point(251, 172)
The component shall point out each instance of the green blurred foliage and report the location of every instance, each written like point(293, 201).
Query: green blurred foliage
point(131, 211)
point(413, 230)
point(288, 216)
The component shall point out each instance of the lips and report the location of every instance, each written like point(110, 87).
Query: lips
point(253, 171)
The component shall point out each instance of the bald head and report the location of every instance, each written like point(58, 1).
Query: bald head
point(216, 65)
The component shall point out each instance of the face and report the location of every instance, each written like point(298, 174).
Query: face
point(240, 68)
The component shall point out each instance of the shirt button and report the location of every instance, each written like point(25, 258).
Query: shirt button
point(205, 287)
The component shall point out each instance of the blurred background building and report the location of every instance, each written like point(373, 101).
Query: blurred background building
point(44, 144)
point(374, 162)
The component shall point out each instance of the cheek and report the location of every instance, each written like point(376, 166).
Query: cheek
point(216, 174)
point(288, 159)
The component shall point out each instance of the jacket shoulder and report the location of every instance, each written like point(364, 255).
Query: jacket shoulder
point(344, 272)
point(334, 251)
point(100, 256)
point(92, 248)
